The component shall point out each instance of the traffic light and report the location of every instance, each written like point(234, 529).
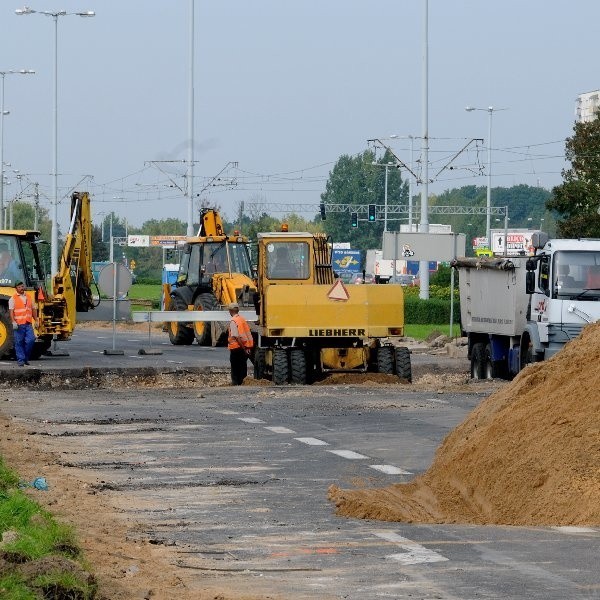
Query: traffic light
point(371, 213)
point(354, 217)
point(323, 216)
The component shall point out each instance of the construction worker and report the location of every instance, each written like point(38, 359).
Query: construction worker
point(23, 314)
point(240, 344)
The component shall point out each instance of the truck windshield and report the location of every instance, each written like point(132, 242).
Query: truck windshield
point(574, 272)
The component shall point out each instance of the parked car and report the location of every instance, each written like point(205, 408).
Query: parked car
point(358, 278)
point(406, 280)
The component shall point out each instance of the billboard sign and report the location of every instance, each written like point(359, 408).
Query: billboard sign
point(346, 261)
point(442, 247)
point(512, 242)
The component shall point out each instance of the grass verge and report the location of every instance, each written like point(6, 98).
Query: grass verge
point(39, 558)
point(422, 332)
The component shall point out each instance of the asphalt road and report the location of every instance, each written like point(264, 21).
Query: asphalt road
point(236, 480)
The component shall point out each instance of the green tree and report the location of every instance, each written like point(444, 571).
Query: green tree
point(577, 199)
point(356, 181)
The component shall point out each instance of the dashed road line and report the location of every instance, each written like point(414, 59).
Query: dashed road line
point(351, 455)
point(280, 430)
point(413, 554)
point(572, 529)
point(311, 441)
point(250, 420)
point(390, 470)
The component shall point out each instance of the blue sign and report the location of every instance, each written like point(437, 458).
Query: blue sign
point(346, 261)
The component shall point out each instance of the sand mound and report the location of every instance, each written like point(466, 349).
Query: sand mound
point(528, 455)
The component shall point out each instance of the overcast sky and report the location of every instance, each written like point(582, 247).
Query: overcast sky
point(284, 88)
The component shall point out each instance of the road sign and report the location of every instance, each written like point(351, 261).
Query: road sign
point(106, 280)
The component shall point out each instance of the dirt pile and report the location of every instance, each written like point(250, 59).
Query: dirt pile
point(528, 455)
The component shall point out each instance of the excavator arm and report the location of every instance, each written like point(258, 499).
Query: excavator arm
point(73, 282)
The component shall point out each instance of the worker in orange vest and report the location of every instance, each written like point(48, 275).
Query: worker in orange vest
point(240, 344)
point(23, 314)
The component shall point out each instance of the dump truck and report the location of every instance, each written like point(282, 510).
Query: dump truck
point(214, 270)
point(310, 323)
point(524, 309)
point(70, 288)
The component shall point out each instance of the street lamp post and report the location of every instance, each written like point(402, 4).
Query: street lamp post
point(54, 14)
point(490, 110)
point(3, 112)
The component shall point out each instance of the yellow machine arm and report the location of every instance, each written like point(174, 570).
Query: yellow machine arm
point(211, 223)
point(73, 282)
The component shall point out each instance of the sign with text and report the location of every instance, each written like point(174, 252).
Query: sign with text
point(512, 242)
point(346, 261)
point(423, 246)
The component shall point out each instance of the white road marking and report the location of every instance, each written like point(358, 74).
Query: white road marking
point(348, 454)
point(413, 554)
point(572, 529)
point(437, 400)
point(280, 430)
point(390, 470)
point(250, 420)
point(228, 412)
point(312, 441)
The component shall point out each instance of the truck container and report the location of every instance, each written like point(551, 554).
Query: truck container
point(519, 310)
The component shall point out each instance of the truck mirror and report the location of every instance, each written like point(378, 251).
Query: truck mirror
point(530, 282)
point(530, 265)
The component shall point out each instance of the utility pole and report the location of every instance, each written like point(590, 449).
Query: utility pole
point(36, 206)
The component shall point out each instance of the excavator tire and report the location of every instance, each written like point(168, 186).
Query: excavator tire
point(6, 332)
point(403, 368)
point(281, 368)
point(259, 363)
point(298, 365)
point(206, 301)
point(385, 359)
point(179, 333)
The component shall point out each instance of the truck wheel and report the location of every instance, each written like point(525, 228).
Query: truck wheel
point(259, 363)
point(298, 365)
point(6, 332)
point(403, 368)
point(202, 329)
point(478, 361)
point(385, 359)
point(494, 369)
point(281, 369)
point(179, 333)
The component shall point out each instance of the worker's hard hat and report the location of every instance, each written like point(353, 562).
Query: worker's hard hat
point(233, 306)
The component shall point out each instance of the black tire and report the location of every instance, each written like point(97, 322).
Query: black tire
point(202, 334)
point(478, 361)
point(180, 334)
point(385, 360)
point(41, 346)
point(403, 368)
point(6, 332)
point(298, 366)
point(259, 363)
point(281, 367)
point(494, 369)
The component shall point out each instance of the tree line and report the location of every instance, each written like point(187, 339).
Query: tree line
point(571, 209)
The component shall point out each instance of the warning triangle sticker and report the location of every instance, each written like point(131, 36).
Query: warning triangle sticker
point(338, 291)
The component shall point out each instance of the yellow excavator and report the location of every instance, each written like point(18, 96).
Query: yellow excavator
point(310, 323)
point(215, 269)
point(70, 289)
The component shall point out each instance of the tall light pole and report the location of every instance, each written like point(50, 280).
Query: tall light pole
point(385, 193)
point(54, 14)
point(190, 186)
point(423, 264)
point(3, 112)
point(490, 110)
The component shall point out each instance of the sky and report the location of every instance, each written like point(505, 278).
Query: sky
point(282, 89)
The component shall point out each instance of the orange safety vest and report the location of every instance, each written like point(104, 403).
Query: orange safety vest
point(243, 333)
point(23, 310)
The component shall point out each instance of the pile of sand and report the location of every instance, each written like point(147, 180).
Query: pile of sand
point(528, 455)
